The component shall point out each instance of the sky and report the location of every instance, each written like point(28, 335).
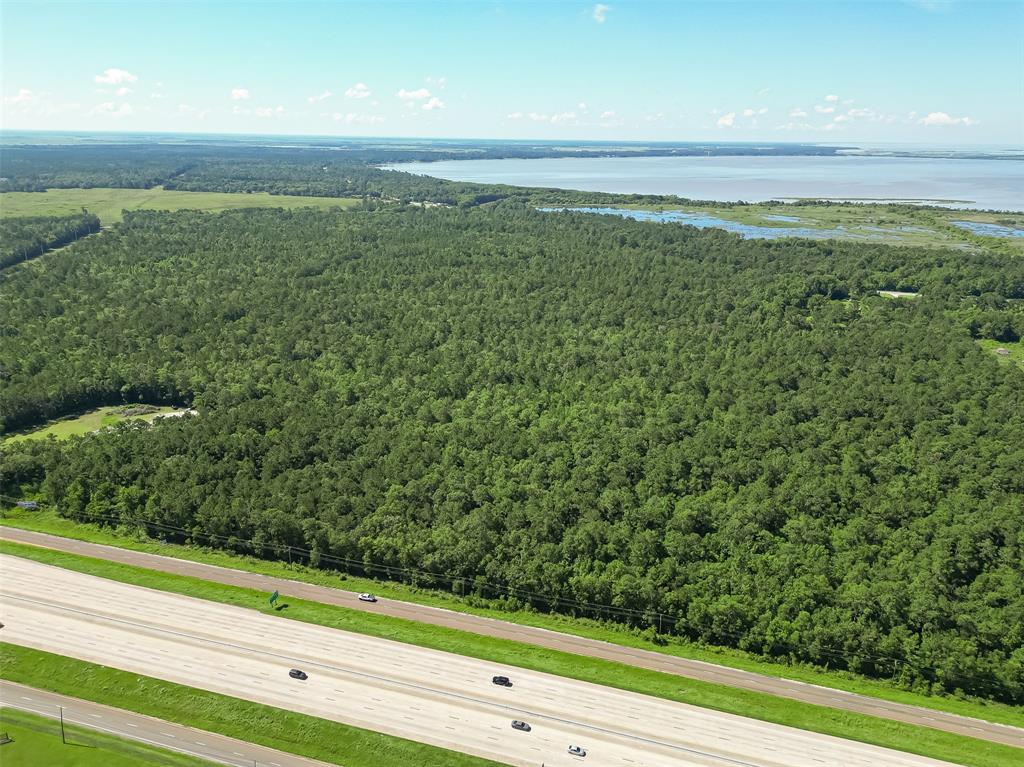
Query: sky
point(932, 72)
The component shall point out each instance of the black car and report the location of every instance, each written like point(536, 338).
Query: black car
point(297, 674)
point(504, 681)
point(517, 725)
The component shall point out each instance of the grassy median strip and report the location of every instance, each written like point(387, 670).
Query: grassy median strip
point(47, 522)
point(252, 722)
point(860, 727)
point(36, 741)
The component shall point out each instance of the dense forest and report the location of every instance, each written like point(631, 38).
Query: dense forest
point(24, 238)
point(740, 436)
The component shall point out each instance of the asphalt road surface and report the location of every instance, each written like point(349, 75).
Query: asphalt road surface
point(433, 697)
point(155, 732)
point(785, 688)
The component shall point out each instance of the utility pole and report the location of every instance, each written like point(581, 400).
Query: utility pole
point(62, 738)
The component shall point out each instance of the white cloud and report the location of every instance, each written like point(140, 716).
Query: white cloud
point(514, 116)
point(538, 117)
point(438, 81)
point(749, 112)
point(762, 111)
point(115, 76)
point(237, 110)
point(122, 91)
point(433, 103)
point(797, 112)
point(321, 97)
point(352, 117)
point(600, 12)
point(726, 120)
point(563, 117)
point(608, 115)
point(268, 111)
point(358, 91)
point(764, 91)
point(240, 94)
point(861, 112)
point(943, 120)
point(109, 109)
point(824, 110)
point(416, 95)
point(23, 96)
point(582, 106)
point(188, 109)
point(832, 97)
point(840, 118)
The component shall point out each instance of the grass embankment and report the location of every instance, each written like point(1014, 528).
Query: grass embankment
point(47, 522)
point(108, 204)
point(252, 722)
point(94, 420)
point(37, 742)
point(890, 734)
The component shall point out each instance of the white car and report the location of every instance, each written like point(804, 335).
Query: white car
point(367, 598)
point(577, 751)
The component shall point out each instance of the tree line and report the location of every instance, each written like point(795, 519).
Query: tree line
point(24, 238)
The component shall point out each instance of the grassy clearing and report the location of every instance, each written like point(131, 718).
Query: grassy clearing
point(924, 741)
point(108, 204)
point(1015, 349)
point(94, 420)
point(50, 523)
point(37, 742)
point(252, 722)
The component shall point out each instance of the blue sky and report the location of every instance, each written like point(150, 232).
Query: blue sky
point(928, 72)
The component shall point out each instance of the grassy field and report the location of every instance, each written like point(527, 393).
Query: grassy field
point(109, 203)
point(610, 632)
point(252, 722)
point(1015, 349)
point(37, 742)
point(94, 420)
point(756, 705)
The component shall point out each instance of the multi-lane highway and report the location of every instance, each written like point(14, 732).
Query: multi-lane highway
point(434, 697)
point(787, 688)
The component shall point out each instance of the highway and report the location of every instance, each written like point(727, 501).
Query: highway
point(786, 688)
point(156, 732)
point(433, 697)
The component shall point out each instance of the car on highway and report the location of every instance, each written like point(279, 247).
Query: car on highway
point(298, 674)
point(577, 751)
point(504, 681)
point(367, 598)
point(517, 725)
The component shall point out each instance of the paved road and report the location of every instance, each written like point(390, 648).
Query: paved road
point(155, 732)
point(444, 699)
point(786, 688)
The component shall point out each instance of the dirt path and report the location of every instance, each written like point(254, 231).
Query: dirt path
point(691, 669)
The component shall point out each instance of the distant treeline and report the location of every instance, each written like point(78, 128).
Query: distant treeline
point(348, 172)
point(738, 435)
point(24, 238)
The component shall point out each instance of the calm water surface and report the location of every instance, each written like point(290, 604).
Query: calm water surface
point(982, 184)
